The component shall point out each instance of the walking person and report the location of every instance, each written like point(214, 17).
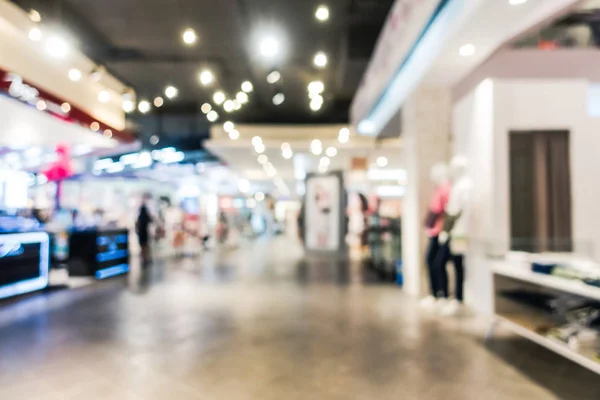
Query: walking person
point(142, 227)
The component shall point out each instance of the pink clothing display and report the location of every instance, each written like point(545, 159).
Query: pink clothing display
point(438, 206)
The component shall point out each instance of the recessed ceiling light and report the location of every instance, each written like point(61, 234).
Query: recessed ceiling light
point(260, 196)
point(189, 36)
point(57, 47)
point(274, 77)
point(35, 34)
point(108, 133)
point(316, 87)
point(229, 106)
point(74, 74)
point(269, 47)
point(158, 102)
point(144, 106)
point(206, 107)
point(242, 97)
point(65, 107)
point(219, 98)
point(287, 153)
point(154, 140)
point(95, 126)
point(320, 60)
point(236, 105)
point(517, 2)
point(322, 13)
point(331, 152)
point(234, 134)
point(382, 162)
point(128, 106)
point(316, 103)
point(228, 126)
point(41, 105)
point(344, 135)
point(34, 15)
point(467, 50)
point(171, 92)
point(206, 77)
point(104, 96)
point(278, 99)
point(247, 86)
point(325, 161)
point(212, 116)
point(259, 148)
point(256, 140)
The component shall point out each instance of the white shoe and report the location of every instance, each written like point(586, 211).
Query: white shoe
point(451, 308)
point(428, 302)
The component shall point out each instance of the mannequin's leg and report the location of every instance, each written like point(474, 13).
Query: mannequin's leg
point(441, 275)
point(430, 257)
point(459, 275)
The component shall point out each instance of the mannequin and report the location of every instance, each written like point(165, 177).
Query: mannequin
point(439, 175)
point(453, 238)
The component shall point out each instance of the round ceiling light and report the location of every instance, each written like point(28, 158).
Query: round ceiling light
point(144, 106)
point(35, 34)
point(320, 60)
point(322, 13)
point(229, 106)
point(57, 47)
point(234, 134)
point(316, 103)
point(128, 106)
point(74, 74)
point(189, 36)
point(274, 77)
point(206, 77)
point(95, 126)
point(219, 98)
point(331, 152)
point(269, 47)
point(34, 15)
point(256, 140)
point(65, 107)
point(467, 50)
point(212, 116)
point(247, 86)
point(263, 159)
point(242, 97)
point(344, 135)
point(104, 96)
point(228, 126)
point(206, 107)
point(278, 99)
point(382, 162)
point(171, 92)
point(316, 87)
point(158, 102)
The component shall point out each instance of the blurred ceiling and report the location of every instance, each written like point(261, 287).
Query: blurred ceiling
point(140, 41)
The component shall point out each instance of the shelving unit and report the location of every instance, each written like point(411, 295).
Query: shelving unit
point(524, 320)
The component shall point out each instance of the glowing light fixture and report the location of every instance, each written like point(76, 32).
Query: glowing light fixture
point(206, 107)
point(322, 13)
point(278, 99)
point(320, 60)
point(316, 103)
point(243, 185)
point(212, 116)
point(269, 47)
point(104, 96)
point(242, 97)
point(94, 126)
point(263, 159)
point(344, 135)
point(128, 106)
point(34, 15)
point(108, 133)
point(154, 140)
point(331, 152)
point(219, 98)
point(516, 2)
point(41, 105)
point(35, 34)
point(247, 86)
point(316, 87)
point(287, 153)
point(260, 196)
point(467, 50)
point(228, 126)
point(189, 36)
point(65, 107)
point(234, 134)
point(260, 148)
point(158, 102)
point(171, 92)
point(57, 47)
point(229, 106)
point(256, 140)
point(144, 106)
point(273, 77)
point(74, 74)
point(382, 162)
point(206, 77)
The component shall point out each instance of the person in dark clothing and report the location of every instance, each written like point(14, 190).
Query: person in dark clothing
point(142, 228)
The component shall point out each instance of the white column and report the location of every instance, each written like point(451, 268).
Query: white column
point(426, 122)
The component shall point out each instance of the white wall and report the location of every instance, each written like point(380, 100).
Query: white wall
point(482, 120)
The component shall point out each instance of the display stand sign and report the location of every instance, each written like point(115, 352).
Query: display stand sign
point(324, 213)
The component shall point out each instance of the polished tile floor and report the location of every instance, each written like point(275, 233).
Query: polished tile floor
point(261, 322)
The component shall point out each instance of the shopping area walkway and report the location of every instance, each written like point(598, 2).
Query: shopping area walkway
point(259, 322)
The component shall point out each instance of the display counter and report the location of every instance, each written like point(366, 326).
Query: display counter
point(99, 253)
point(24, 262)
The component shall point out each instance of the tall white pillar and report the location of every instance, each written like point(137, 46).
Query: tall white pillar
point(426, 124)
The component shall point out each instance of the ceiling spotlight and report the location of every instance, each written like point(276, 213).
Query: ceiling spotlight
point(74, 74)
point(65, 107)
point(516, 2)
point(108, 133)
point(144, 106)
point(234, 134)
point(95, 126)
point(128, 106)
point(467, 50)
point(278, 99)
point(237, 105)
point(269, 47)
point(260, 196)
point(171, 92)
point(228, 126)
point(154, 140)
point(256, 140)
point(273, 77)
point(316, 103)
point(287, 153)
point(243, 185)
point(189, 36)
point(322, 13)
point(263, 159)
point(316, 87)
point(382, 162)
point(229, 106)
point(104, 96)
point(57, 47)
point(34, 15)
point(320, 60)
point(344, 135)
point(242, 97)
point(285, 146)
point(206, 77)
point(35, 34)
point(331, 152)
point(41, 105)
point(212, 116)
point(247, 86)
point(260, 148)
point(158, 102)
point(325, 161)
point(219, 98)
point(206, 107)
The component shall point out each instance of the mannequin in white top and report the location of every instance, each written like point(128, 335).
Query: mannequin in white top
point(454, 237)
